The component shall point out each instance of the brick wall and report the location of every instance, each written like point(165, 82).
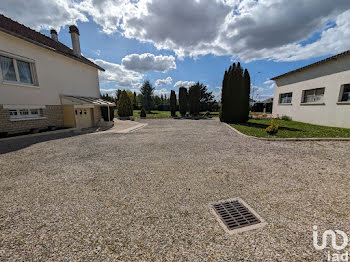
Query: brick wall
point(53, 114)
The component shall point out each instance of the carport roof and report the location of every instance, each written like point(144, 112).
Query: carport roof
point(83, 100)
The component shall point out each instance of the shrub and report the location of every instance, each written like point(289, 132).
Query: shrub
point(183, 103)
point(173, 103)
point(286, 118)
point(143, 112)
point(124, 105)
point(194, 100)
point(272, 129)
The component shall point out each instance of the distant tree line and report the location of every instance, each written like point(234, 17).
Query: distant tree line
point(193, 100)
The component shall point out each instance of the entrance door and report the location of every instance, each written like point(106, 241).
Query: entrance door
point(83, 117)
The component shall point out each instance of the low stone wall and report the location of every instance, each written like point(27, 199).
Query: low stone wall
point(53, 117)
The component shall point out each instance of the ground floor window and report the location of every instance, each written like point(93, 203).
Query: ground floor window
point(285, 98)
point(313, 95)
point(345, 95)
point(19, 114)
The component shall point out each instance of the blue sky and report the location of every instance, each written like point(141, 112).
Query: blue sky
point(193, 40)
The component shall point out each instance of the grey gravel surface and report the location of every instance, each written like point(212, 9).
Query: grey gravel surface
point(144, 196)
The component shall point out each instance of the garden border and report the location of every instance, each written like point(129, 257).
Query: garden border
point(290, 139)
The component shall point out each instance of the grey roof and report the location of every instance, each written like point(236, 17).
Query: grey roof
point(83, 100)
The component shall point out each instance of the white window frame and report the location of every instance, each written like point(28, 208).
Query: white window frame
point(315, 102)
point(23, 59)
point(285, 103)
point(342, 93)
point(29, 108)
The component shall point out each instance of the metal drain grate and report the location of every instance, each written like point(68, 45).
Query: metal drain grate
point(237, 216)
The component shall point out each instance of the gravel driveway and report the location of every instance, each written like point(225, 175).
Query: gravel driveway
point(143, 196)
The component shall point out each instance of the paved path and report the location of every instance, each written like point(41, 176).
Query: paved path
point(144, 195)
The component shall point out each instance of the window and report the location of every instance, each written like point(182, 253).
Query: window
point(345, 95)
point(285, 98)
point(20, 114)
point(16, 70)
point(313, 95)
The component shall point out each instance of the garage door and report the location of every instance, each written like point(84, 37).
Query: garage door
point(83, 117)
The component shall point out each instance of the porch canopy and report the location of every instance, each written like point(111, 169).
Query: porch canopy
point(86, 101)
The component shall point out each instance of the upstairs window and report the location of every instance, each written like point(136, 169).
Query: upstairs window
point(17, 71)
point(285, 98)
point(313, 95)
point(345, 95)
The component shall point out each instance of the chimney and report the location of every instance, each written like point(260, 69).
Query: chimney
point(54, 35)
point(74, 33)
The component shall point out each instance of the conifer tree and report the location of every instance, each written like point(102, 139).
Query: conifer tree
point(173, 103)
point(183, 100)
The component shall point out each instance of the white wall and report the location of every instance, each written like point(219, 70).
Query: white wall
point(57, 74)
point(331, 75)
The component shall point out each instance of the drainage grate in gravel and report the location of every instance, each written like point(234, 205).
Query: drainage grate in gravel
point(236, 216)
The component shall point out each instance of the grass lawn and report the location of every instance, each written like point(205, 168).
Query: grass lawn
point(290, 129)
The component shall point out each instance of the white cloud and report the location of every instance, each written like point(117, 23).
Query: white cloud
point(42, 14)
point(148, 62)
point(110, 92)
point(271, 84)
point(163, 91)
point(184, 83)
point(163, 82)
point(118, 74)
point(246, 30)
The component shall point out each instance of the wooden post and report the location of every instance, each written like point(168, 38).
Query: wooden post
point(109, 115)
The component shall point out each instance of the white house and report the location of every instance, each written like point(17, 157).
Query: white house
point(318, 93)
point(44, 83)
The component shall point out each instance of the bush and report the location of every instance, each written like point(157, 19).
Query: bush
point(286, 118)
point(273, 128)
point(124, 105)
point(143, 112)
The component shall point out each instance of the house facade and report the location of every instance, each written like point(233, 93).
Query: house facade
point(318, 93)
point(44, 83)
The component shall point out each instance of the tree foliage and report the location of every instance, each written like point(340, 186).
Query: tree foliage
point(194, 95)
point(235, 95)
point(183, 100)
point(206, 98)
point(172, 103)
point(124, 105)
point(147, 93)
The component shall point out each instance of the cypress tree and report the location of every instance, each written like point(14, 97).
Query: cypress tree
point(124, 105)
point(235, 95)
point(194, 95)
point(183, 103)
point(173, 103)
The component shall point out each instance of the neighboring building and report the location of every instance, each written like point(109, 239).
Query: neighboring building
point(44, 83)
point(318, 93)
point(264, 106)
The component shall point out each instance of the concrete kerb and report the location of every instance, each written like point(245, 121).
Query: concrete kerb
point(288, 139)
point(132, 129)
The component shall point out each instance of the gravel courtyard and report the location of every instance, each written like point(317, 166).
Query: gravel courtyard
point(143, 196)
